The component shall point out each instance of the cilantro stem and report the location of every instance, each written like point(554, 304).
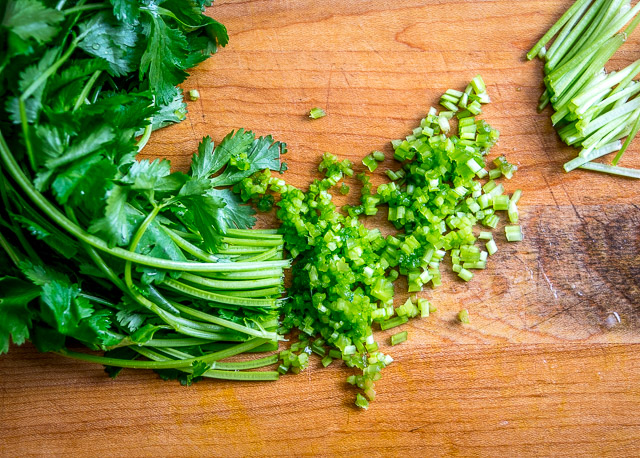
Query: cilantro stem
point(225, 323)
point(173, 364)
point(189, 247)
point(128, 280)
point(82, 8)
point(223, 365)
point(219, 298)
point(628, 140)
point(17, 230)
point(25, 134)
point(9, 250)
point(612, 169)
point(182, 342)
point(54, 68)
point(86, 89)
point(225, 370)
point(555, 28)
point(232, 284)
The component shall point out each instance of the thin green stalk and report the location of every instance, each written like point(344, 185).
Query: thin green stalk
point(225, 374)
point(26, 135)
point(248, 275)
point(265, 255)
point(231, 284)
point(86, 89)
point(219, 298)
point(17, 230)
point(629, 139)
point(9, 250)
point(601, 57)
point(595, 30)
point(53, 69)
point(225, 323)
point(578, 161)
point(253, 234)
point(606, 118)
point(189, 247)
point(617, 78)
point(257, 242)
point(264, 292)
point(82, 8)
point(611, 169)
point(134, 364)
point(224, 365)
point(183, 342)
point(555, 28)
point(570, 34)
point(134, 244)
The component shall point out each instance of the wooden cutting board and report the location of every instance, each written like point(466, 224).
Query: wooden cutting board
point(544, 367)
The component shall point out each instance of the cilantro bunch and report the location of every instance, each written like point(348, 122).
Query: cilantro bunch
point(115, 253)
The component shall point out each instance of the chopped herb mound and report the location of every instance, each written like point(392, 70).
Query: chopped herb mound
point(316, 113)
point(344, 273)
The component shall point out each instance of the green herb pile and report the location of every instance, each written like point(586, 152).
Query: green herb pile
point(343, 278)
point(115, 253)
point(593, 109)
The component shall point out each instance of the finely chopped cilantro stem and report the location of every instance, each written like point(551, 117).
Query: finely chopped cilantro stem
point(344, 274)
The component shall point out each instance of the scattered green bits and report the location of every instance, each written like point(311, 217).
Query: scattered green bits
point(399, 338)
point(362, 402)
point(463, 316)
point(513, 233)
point(194, 95)
point(316, 113)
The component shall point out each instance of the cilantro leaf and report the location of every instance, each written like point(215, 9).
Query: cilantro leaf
point(188, 15)
point(207, 162)
point(41, 275)
point(126, 10)
point(171, 112)
point(92, 142)
point(145, 334)
point(264, 153)
point(145, 174)
point(113, 226)
point(84, 180)
point(164, 58)
point(15, 318)
point(208, 217)
point(33, 104)
point(131, 315)
point(113, 41)
point(62, 308)
point(30, 19)
point(235, 214)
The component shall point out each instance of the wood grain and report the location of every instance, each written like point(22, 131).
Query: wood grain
point(543, 369)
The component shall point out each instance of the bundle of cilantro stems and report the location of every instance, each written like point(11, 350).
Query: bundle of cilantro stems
point(593, 109)
point(161, 270)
